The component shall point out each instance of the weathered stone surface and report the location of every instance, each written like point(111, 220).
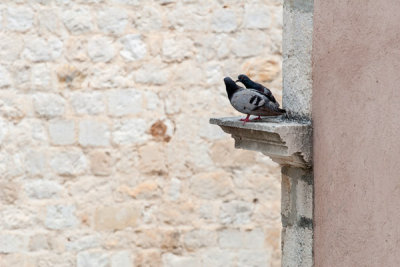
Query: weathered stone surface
point(101, 162)
point(124, 102)
point(93, 259)
point(177, 49)
point(122, 259)
point(224, 20)
point(112, 20)
point(88, 103)
point(115, 217)
point(106, 155)
point(39, 49)
point(200, 238)
point(101, 49)
point(171, 260)
point(5, 77)
point(257, 16)
point(211, 185)
point(42, 77)
point(152, 158)
point(69, 163)
point(49, 105)
point(129, 131)
point(78, 20)
point(60, 217)
point(94, 133)
point(11, 46)
point(62, 132)
point(9, 192)
point(43, 189)
point(19, 19)
point(10, 242)
point(133, 47)
point(236, 212)
point(218, 258)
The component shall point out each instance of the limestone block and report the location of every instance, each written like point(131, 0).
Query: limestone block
point(122, 259)
point(150, 19)
point(80, 242)
point(172, 260)
point(49, 20)
point(11, 46)
point(68, 163)
point(177, 49)
point(94, 133)
point(257, 17)
point(87, 103)
point(211, 185)
point(5, 77)
point(12, 242)
point(19, 19)
point(112, 20)
point(9, 193)
point(243, 48)
point(230, 238)
point(101, 49)
point(199, 238)
point(94, 258)
point(42, 189)
point(124, 102)
point(254, 258)
point(39, 49)
point(60, 217)
point(153, 73)
point(149, 258)
point(133, 47)
point(39, 242)
point(115, 217)
point(48, 105)
point(129, 131)
point(217, 257)
point(236, 212)
point(101, 162)
point(42, 77)
point(152, 158)
point(224, 20)
point(78, 20)
point(62, 132)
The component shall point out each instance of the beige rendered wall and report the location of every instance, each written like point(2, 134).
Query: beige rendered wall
point(356, 103)
point(106, 154)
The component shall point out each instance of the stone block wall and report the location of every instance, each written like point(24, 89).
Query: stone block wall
point(107, 157)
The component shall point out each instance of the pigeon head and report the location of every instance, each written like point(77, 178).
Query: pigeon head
point(231, 86)
point(243, 78)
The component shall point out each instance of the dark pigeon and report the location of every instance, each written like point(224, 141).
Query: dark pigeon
point(259, 87)
point(250, 101)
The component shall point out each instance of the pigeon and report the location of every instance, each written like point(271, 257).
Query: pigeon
point(250, 101)
point(259, 87)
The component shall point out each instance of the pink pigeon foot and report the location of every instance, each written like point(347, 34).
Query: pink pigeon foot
point(258, 118)
point(246, 119)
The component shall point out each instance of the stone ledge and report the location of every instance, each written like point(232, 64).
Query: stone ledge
point(287, 142)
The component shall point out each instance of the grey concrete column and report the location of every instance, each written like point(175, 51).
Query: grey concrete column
point(297, 183)
point(297, 48)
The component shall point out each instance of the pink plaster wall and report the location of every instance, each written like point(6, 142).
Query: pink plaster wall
point(356, 106)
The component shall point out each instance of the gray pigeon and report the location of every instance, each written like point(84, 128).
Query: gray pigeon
point(257, 86)
point(251, 101)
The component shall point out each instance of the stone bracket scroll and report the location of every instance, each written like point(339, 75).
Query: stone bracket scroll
point(287, 142)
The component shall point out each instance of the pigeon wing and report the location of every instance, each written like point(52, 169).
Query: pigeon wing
point(247, 101)
point(265, 91)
